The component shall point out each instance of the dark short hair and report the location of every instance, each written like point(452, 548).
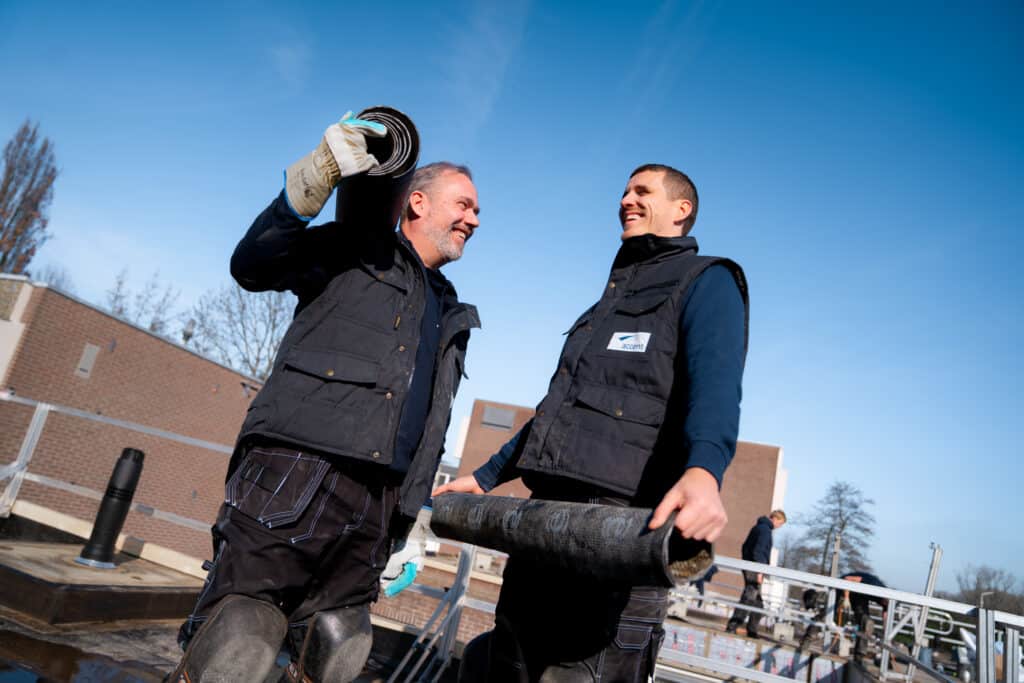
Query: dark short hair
point(426, 176)
point(677, 186)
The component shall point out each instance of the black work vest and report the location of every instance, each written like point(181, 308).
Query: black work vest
point(341, 375)
point(618, 377)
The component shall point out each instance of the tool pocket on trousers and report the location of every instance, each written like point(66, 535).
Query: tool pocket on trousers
point(627, 658)
point(275, 486)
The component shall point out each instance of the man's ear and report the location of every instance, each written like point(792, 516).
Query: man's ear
point(419, 204)
point(684, 209)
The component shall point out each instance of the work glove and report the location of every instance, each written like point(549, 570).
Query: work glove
point(308, 182)
point(405, 562)
point(407, 555)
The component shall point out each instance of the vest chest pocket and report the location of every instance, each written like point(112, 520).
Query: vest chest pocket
point(627, 406)
point(328, 376)
point(275, 486)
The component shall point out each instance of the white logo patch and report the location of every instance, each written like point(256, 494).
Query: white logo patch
point(635, 342)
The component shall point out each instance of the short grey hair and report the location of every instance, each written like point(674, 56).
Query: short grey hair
point(425, 177)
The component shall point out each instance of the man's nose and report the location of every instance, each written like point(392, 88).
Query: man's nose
point(471, 219)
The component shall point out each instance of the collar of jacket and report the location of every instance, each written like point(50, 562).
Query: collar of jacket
point(651, 248)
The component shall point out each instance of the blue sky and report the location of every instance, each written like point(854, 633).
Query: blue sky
point(861, 161)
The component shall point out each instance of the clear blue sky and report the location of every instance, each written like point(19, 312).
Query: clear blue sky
point(862, 161)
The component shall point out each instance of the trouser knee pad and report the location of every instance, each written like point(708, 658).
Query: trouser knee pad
point(238, 642)
point(336, 646)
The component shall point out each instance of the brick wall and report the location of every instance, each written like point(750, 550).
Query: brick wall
point(136, 377)
point(483, 441)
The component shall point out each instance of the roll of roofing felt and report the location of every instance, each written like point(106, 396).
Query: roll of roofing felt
point(599, 542)
point(375, 198)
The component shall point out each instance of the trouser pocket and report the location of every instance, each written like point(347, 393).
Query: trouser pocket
point(274, 486)
point(628, 657)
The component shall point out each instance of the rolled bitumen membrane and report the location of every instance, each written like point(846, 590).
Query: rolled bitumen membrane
point(599, 542)
point(374, 199)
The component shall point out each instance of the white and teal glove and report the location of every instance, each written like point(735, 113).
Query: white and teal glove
point(308, 182)
point(405, 562)
point(407, 555)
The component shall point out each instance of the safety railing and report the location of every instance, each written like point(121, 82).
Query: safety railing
point(19, 470)
point(907, 614)
point(904, 610)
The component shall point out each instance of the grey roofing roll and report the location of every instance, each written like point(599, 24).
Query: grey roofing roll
point(374, 199)
point(600, 542)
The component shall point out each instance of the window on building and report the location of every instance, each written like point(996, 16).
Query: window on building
point(87, 360)
point(498, 418)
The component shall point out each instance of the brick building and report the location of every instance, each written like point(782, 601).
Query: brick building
point(99, 373)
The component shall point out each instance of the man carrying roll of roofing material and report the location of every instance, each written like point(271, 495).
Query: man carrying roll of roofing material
point(642, 410)
point(339, 448)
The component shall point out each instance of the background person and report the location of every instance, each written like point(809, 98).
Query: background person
point(756, 548)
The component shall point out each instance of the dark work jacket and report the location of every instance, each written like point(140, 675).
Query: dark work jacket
point(341, 375)
point(758, 546)
point(620, 375)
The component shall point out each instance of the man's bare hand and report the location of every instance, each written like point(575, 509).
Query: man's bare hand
point(701, 515)
point(464, 484)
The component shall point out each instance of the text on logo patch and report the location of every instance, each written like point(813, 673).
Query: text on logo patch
point(629, 341)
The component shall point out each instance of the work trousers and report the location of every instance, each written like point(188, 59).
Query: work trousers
point(751, 596)
point(303, 532)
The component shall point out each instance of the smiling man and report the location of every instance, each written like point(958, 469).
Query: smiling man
point(642, 410)
point(339, 448)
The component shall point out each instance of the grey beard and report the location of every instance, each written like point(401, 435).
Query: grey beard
point(445, 244)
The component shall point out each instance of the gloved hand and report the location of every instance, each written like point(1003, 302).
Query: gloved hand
point(340, 154)
point(405, 561)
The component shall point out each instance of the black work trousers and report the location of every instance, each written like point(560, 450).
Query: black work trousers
point(303, 532)
point(751, 596)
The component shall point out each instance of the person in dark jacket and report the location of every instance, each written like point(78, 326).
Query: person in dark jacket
point(339, 448)
point(849, 601)
point(643, 411)
point(756, 548)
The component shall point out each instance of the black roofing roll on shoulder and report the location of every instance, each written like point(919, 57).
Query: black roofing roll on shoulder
point(600, 542)
point(374, 198)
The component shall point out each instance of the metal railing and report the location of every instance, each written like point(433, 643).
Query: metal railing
point(903, 614)
point(907, 614)
point(16, 472)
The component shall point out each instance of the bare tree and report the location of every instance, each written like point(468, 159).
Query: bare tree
point(1001, 589)
point(26, 190)
point(841, 513)
point(795, 555)
point(241, 329)
point(118, 296)
point(151, 307)
point(55, 276)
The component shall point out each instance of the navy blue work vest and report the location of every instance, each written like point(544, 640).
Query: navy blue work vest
point(618, 379)
point(341, 374)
